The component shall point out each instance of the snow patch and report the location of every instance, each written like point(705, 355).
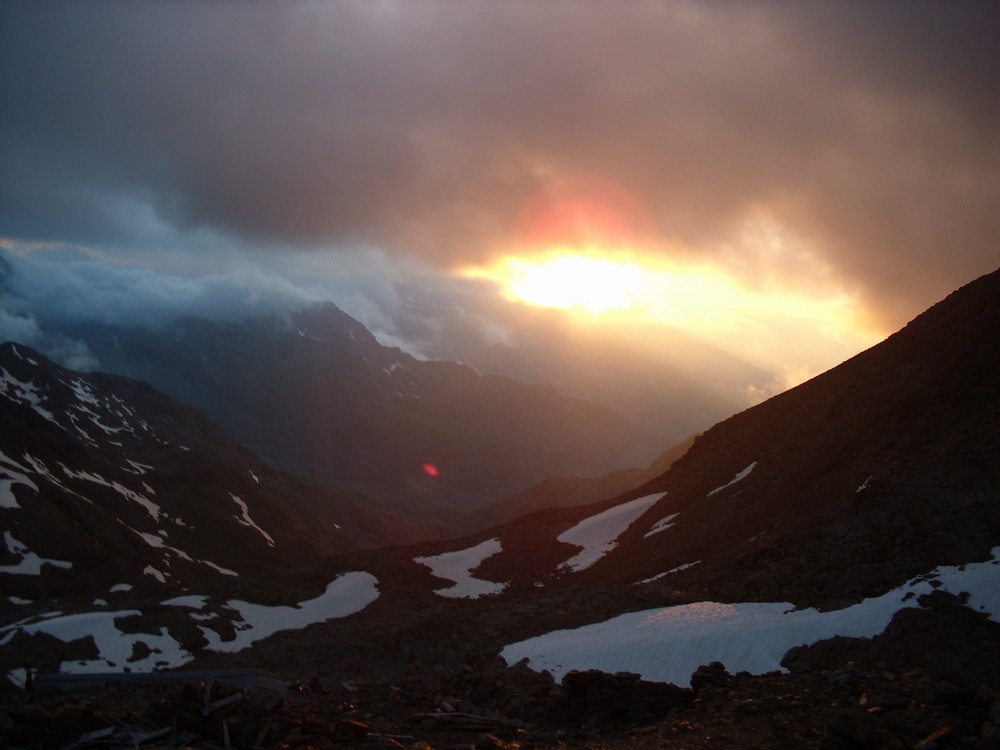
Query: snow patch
point(345, 595)
point(192, 601)
point(23, 392)
point(662, 525)
point(138, 468)
point(669, 644)
point(152, 508)
point(115, 648)
point(156, 540)
point(245, 520)
point(31, 564)
point(120, 588)
point(739, 477)
point(864, 485)
point(458, 566)
point(678, 569)
point(160, 576)
point(599, 534)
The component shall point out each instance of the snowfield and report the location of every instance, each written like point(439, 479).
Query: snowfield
point(598, 534)
point(458, 566)
point(667, 645)
point(115, 648)
point(345, 595)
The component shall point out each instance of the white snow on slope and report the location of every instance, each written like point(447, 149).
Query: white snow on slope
point(678, 569)
point(598, 534)
point(7, 499)
point(17, 390)
point(662, 525)
point(458, 566)
point(43, 471)
point(152, 508)
point(191, 601)
point(30, 564)
point(669, 644)
point(742, 475)
point(114, 646)
point(157, 542)
point(245, 520)
point(347, 594)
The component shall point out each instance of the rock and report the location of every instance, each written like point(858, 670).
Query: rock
point(619, 698)
point(934, 740)
point(849, 728)
point(350, 729)
point(713, 675)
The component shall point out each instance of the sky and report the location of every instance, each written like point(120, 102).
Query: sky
point(788, 181)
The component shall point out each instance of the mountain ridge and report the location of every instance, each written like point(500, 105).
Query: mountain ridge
point(318, 395)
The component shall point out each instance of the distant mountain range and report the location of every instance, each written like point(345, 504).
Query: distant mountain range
point(317, 395)
point(860, 493)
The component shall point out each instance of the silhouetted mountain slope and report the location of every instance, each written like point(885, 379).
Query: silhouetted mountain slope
point(567, 492)
point(320, 396)
point(875, 471)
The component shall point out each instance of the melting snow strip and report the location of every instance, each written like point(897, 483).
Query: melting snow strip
point(662, 525)
point(245, 519)
point(742, 475)
point(457, 566)
point(598, 534)
point(345, 595)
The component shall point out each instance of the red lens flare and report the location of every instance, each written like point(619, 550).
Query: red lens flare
point(431, 470)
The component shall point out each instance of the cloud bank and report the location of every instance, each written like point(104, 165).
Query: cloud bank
point(866, 130)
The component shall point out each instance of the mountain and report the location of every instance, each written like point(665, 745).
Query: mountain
point(871, 473)
point(847, 531)
point(318, 395)
point(107, 481)
point(667, 382)
point(567, 492)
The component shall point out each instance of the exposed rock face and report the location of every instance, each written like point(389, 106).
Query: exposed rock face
point(107, 481)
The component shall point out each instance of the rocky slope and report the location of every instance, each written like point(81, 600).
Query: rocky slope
point(104, 480)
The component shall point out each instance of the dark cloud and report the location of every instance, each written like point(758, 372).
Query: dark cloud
point(868, 130)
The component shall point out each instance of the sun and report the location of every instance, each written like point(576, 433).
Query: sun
point(574, 281)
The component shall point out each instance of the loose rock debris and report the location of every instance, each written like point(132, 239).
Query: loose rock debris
point(826, 709)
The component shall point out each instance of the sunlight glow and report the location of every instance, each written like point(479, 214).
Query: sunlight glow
point(794, 329)
point(577, 281)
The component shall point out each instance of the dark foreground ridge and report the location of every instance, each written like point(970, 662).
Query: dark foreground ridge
point(928, 682)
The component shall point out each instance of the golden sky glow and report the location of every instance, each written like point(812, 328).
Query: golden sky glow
point(795, 333)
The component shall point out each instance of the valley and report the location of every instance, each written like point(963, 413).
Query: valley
point(838, 541)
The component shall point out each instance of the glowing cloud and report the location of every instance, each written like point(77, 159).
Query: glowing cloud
point(778, 322)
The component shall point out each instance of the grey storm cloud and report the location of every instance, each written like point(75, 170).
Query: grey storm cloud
point(63, 285)
point(425, 127)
